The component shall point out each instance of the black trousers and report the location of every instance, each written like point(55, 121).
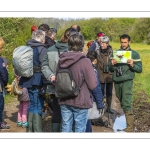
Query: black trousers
point(56, 117)
point(108, 87)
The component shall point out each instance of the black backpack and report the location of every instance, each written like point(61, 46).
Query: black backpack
point(65, 86)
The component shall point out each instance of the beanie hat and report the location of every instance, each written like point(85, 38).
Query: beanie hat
point(33, 28)
point(100, 34)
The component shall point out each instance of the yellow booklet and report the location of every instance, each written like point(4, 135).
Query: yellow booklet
point(122, 56)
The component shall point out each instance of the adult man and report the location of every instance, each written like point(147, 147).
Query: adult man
point(49, 64)
point(96, 44)
point(123, 75)
point(34, 84)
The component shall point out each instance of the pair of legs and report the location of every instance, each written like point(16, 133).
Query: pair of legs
point(124, 94)
point(75, 115)
point(23, 112)
point(108, 87)
point(2, 124)
point(56, 116)
point(35, 110)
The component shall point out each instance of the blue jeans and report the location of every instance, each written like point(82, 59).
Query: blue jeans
point(36, 102)
point(1, 106)
point(70, 114)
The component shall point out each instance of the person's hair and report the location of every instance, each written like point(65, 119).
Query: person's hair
point(51, 33)
point(1, 41)
point(38, 35)
point(76, 27)
point(92, 55)
point(64, 38)
point(105, 39)
point(125, 36)
point(55, 30)
point(76, 42)
point(44, 27)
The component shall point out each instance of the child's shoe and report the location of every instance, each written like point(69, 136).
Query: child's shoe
point(25, 125)
point(3, 125)
point(19, 124)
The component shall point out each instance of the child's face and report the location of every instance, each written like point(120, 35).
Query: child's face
point(94, 62)
point(1, 47)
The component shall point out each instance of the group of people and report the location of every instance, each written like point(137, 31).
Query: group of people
point(96, 74)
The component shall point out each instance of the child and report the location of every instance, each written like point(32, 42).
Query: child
point(23, 107)
point(96, 97)
point(3, 83)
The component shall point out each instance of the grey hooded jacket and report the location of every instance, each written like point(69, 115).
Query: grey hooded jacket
point(50, 61)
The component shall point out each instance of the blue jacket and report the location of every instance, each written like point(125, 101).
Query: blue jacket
point(39, 51)
point(3, 73)
point(97, 93)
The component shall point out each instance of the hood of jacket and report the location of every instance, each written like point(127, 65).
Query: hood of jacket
point(34, 43)
point(41, 47)
point(69, 58)
point(61, 46)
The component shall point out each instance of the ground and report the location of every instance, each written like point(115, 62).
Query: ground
point(140, 105)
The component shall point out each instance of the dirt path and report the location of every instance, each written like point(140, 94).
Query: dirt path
point(11, 109)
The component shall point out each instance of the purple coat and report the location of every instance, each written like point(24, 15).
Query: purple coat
point(82, 70)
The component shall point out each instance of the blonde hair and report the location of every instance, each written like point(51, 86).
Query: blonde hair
point(1, 41)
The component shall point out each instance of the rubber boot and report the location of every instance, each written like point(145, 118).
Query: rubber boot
point(130, 121)
point(37, 123)
point(30, 119)
point(56, 127)
point(109, 100)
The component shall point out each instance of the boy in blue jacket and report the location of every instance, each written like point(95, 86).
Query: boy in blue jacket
point(98, 98)
point(3, 83)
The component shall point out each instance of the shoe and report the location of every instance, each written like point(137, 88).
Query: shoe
point(3, 125)
point(25, 125)
point(19, 124)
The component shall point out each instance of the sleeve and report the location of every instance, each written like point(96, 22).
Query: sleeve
point(89, 74)
point(97, 94)
point(137, 67)
point(3, 72)
point(45, 68)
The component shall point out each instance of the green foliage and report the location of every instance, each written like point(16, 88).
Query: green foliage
point(15, 32)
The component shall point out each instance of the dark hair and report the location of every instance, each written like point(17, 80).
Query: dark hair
point(76, 42)
point(44, 27)
point(125, 36)
point(76, 27)
point(55, 30)
point(92, 55)
point(64, 38)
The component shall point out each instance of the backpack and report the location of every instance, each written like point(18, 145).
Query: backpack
point(23, 61)
point(65, 85)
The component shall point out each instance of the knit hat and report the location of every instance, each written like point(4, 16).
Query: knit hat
point(33, 28)
point(100, 34)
